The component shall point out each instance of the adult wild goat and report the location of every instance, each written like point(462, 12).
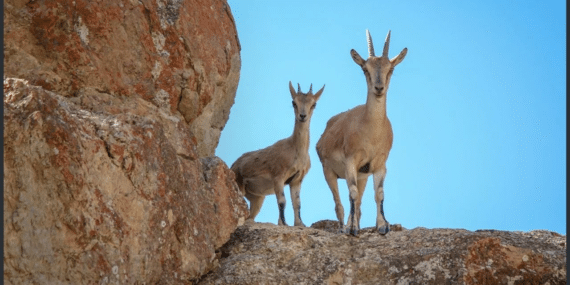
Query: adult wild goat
point(356, 143)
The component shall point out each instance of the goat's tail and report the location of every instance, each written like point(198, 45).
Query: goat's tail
point(239, 180)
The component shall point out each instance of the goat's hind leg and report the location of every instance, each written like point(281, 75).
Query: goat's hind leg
point(331, 179)
point(255, 203)
point(382, 226)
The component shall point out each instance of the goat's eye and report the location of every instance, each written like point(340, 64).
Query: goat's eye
point(314, 105)
point(294, 104)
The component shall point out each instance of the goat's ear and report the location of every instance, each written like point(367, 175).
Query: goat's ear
point(356, 57)
point(397, 59)
point(292, 90)
point(318, 95)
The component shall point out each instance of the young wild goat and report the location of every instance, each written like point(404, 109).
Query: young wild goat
point(356, 143)
point(266, 171)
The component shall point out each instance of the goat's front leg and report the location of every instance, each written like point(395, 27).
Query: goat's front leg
point(280, 195)
point(351, 174)
point(361, 185)
point(382, 226)
point(331, 179)
point(295, 188)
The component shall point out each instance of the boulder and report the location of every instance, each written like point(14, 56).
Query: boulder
point(262, 253)
point(181, 56)
point(112, 113)
point(92, 197)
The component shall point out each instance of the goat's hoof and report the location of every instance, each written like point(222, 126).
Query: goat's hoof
point(300, 225)
point(384, 229)
point(354, 231)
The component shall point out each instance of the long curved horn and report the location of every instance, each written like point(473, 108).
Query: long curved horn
point(310, 89)
point(370, 45)
point(298, 88)
point(386, 45)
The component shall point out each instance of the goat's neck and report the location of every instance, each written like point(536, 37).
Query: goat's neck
point(375, 107)
point(301, 137)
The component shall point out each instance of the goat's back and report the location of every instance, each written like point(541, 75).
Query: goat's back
point(271, 160)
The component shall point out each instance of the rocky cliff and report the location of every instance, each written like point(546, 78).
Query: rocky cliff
point(91, 197)
point(270, 254)
point(181, 56)
point(112, 112)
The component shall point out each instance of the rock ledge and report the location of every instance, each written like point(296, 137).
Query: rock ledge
point(269, 254)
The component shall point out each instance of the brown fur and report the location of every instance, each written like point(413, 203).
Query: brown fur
point(264, 172)
point(356, 143)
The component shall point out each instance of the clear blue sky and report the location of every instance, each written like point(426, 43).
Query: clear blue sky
point(478, 106)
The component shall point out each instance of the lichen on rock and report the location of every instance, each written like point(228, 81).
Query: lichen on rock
point(165, 52)
point(91, 197)
point(112, 113)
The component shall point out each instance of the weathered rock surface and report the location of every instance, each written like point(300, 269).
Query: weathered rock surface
point(269, 254)
point(181, 56)
point(92, 197)
point(112, 112)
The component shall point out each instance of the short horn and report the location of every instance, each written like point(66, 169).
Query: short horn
point(298, 88)
point(386, 45)
point(370, 45)
point(310, 89)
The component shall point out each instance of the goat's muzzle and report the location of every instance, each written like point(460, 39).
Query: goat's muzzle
point(379, 91)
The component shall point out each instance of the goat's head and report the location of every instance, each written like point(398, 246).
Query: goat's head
point(378, 69)
point(304, 103)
